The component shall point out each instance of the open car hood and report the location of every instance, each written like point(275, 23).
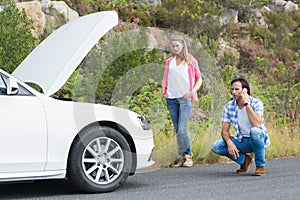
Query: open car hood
point(53, 61)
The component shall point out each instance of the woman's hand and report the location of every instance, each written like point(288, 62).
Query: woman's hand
point(188, 95)
point(165, 96)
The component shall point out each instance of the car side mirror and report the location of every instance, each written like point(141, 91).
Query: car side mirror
point(12, 87)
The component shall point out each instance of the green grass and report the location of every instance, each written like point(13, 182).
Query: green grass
point(285, 142)
point(285, 139)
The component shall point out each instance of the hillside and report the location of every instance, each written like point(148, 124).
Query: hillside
point(257, 39)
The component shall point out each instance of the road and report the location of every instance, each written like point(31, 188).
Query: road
point(217, 181)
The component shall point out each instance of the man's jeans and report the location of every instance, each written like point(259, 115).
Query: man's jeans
point(180, 110)
point(254, 143)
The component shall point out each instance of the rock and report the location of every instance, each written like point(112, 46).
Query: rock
point(157, 38)
point(231, 16)
point(151, 1)
point(261, 21)
point(34, 12)
point(57, 14)
point(282, 5)
point(265, 9)
point(47, 15)
point(60, 7)
point(279, 2)
point(290, 6)
point(225, 49)
point(45, 6)
point(248, 14)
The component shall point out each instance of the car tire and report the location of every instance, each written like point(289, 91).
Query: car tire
point(99, 161)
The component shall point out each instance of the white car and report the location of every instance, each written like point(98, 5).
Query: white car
point(94, 146)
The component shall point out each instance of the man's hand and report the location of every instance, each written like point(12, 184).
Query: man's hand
point(233, 151)
point(243, 97)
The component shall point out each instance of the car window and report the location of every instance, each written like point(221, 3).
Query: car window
point(23, 91)
point(3, 88)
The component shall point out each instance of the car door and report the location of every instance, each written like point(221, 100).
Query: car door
point(23, 130)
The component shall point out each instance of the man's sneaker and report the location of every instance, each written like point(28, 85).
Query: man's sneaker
point(188, 162)
point(260, 171)
point(244, 167)
point(179, 162)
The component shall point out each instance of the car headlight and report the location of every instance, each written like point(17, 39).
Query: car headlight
point(143, 122)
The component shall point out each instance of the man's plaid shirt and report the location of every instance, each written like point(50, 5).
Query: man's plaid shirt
point(230, 115)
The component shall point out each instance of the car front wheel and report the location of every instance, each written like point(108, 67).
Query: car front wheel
point(100, 160)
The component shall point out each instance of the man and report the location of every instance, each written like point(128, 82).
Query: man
point(245, 113)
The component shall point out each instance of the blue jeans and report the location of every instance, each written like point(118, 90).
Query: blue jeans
point(254, 143)
point(180, 110)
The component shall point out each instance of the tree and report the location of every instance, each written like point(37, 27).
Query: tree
point(16, 38)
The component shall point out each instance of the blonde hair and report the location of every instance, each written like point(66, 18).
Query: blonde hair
point(187, 57)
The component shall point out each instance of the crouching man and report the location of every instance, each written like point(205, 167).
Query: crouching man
point(245, 113)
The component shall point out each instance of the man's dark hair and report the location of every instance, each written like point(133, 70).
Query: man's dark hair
point(244, 83)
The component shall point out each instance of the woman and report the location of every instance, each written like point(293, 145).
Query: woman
point(182, 79)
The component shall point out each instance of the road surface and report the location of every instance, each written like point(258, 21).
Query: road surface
point(217, 181)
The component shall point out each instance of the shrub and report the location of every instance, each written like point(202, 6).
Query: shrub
point(16, 38)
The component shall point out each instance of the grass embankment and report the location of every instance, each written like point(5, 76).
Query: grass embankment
point(284, 136)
